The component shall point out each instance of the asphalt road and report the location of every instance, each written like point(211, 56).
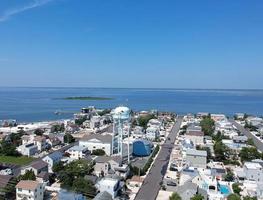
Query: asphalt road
point(151, 185)
point(257, 141)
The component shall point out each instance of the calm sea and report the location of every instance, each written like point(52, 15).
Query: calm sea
point(37, 104)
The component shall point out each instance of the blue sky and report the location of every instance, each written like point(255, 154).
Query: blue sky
point(132, 43)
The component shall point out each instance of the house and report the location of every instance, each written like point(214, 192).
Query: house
point(78, 152)
point(187, 191)
point(27, 139)
point(152, 133)
point(67, 195)
point(110, 185)
point(196, 158)
point(43, 177)
point(97, 141)
point(197, 137)
point(95, 122)
point(253, 171)
point(5, 181)
point(254, 121)
point(240, 139)
point(37, 167)
point(52, 159)
point(218, 117)
point(106, 165)
point(40, 142)
point(29, 190)
point(28, 149)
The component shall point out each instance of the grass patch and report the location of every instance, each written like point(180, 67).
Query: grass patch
point(16, 160)
point(88, 98)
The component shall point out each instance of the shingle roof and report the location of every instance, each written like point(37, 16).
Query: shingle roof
point(196, 152)
point(27, 185)
point(4, 180)
point(39, 164)
point(56, 155)
point(103, 138)
point(103, 196)
point(195, 133)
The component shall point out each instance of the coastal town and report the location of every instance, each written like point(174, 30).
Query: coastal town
point(119, 153)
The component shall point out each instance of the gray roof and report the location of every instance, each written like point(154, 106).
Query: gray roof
point(187, 190)
point(4, 180)
point(241, 138)
point(103, 138)
point(103, 196)
point(39, 164)
point(195, 152)
point(56, 155)
point(103, 159)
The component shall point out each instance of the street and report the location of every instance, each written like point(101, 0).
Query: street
point(257, 141)
point(151, 185)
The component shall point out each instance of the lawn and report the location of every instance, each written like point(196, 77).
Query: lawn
point(16, 160)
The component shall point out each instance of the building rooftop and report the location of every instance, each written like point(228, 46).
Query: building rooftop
point(78, 148)
point(103, 196)
point(27, 185)
point(4, 180)
point(195, 133)
point(56, 155)
point(195, 152)
point(40, 164)
point(251, 165)
point(103, 138)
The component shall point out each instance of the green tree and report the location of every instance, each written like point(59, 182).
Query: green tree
point(57, 167)
point(39, 132)
point(175, 196)
point(98, 152)
point(221, 151)
point(68, 138)
point(197, 197)
point(249, 153)
point(229, 176)
point(143, 120)
point(208, 126)
point(236, 188)
point(233, 197)
point(250, 142)
point(8, 149)
point(29, 175)
point(83, 186)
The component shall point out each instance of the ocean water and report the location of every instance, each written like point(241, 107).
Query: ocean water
point(38, 104)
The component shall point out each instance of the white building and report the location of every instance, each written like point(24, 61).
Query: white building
point(196, 158)
point(95, 122)
point(52, 159)
point(28, 149)
point(152, 133)
point(40, 142)
point(97, 141)
point(29, 190)
point(253, 171)
point(197, 137)
point(77, 152)
point(110, 185)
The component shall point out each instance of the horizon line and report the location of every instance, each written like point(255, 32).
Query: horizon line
point(151, 88)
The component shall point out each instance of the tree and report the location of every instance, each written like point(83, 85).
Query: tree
point(175, 196)
point(143, 120)
point(57, 167)
point(250, 142)
point(221, 151)
point(236, 188)
point(29, 175)
point(249, 153)
point(208, 126)
point(8, 149)
point(233, 197)
point(98, 152)
point(57, 128)
point(68, 138)
point(197, 197)
point(39, 132)
point(229, 177)
point(84, 186)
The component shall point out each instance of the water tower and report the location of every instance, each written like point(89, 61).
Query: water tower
point(121, 124)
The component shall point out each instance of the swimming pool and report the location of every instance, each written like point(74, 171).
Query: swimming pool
point(224, 189)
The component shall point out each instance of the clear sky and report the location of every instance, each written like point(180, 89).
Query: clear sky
point(132, 43)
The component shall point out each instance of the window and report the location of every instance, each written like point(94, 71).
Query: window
point(19, 189)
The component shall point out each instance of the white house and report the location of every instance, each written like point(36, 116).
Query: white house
point(27, 149)
point(253, 171)
point(110, 185)
point(52, 159)
point(29, 190)
point(197, 137)
point(97, 141)
point(37, 167)
point(78, 152)
point(196, 158)
point(152, 133)
point(40, 142)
